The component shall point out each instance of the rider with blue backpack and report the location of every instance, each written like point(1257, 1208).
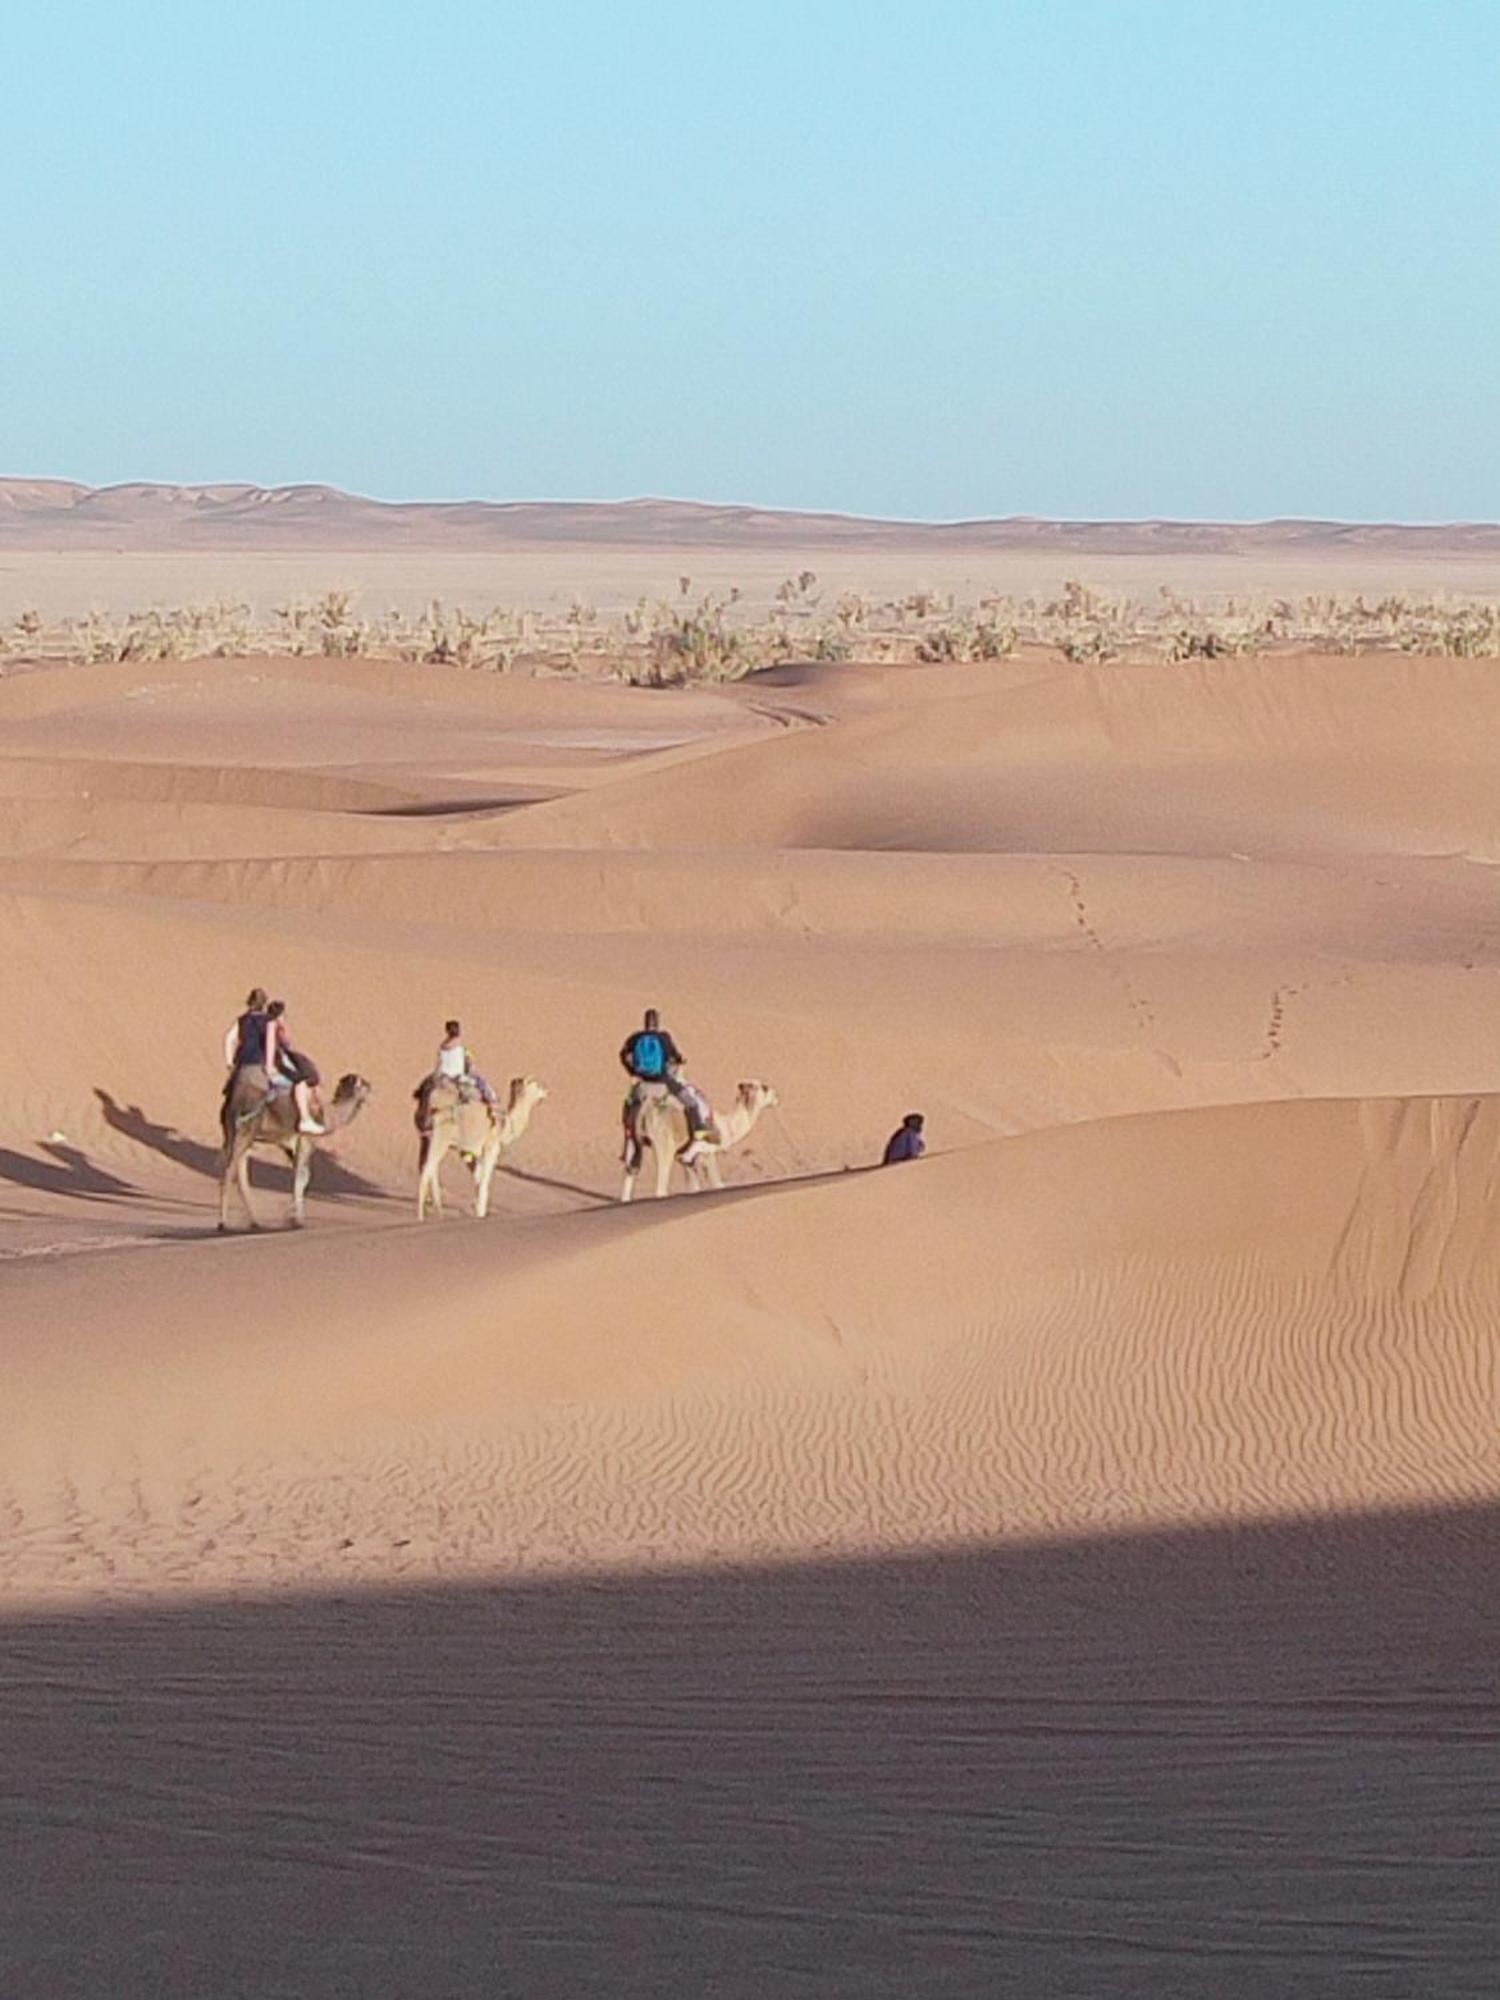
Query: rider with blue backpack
point(651, 1056)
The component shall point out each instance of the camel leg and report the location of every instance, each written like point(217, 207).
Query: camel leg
point(239, 1172)
point(429, 1185)
point(484, 1173)
point(708, 1170)
point(301, 1174)
point(664, 1158)
point(632, 1157)
point(635, 1159)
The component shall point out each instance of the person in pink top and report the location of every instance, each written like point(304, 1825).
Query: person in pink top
point(287, 1062)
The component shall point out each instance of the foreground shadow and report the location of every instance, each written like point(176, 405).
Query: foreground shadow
point(1254, 1763)
point(330, 1179)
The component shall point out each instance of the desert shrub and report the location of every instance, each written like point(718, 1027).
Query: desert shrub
point(694, 643)
point(457, 638)
point(1199, 645)
point(967, 639)
point(831, 644)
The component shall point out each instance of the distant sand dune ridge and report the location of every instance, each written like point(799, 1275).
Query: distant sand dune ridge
point(56, 512)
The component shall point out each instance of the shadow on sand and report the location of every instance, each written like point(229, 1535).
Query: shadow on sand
point(561, 1187)
point(331, 1181)
point(1258, 1764)
point(67, 1171)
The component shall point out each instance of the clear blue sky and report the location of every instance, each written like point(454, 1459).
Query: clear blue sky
point(1083, 257)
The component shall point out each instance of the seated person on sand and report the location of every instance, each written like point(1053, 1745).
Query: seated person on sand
point(651, 1056)
point(290, 1070)
point(455, 1064)
point(906, 1142)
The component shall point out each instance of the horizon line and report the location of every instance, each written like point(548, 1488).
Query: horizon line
point(245, 488)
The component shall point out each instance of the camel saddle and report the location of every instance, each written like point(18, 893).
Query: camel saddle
point(465, 1089)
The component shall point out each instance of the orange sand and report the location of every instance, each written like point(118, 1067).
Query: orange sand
point(1060, 1567)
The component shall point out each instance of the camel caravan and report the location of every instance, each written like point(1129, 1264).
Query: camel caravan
point(272, 1100)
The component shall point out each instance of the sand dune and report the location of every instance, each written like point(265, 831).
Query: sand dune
point(1195, 972)
point(1299, 756)
point(1016, 903)
point(1186, 1316)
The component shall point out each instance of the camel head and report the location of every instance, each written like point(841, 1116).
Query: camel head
point(526, 1089)
point(757, 1097)
point(350, 1095)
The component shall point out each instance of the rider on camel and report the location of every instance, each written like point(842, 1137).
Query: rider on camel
point(455, 1063)
point(651, 1056)
point(245, 1048)
point(288, 1067)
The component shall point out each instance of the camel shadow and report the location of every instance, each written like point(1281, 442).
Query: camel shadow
point(132, 1122)
point(67, 1171)
point(562, 1187)
point(331, 1180)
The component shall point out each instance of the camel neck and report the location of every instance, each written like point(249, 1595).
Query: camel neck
point(733, 1125)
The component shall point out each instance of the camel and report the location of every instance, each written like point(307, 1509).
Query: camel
point(661, 1124)
point(252, 1119)
point(478, 1134)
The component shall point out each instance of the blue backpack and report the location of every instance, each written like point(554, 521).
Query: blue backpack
point(650, 1056)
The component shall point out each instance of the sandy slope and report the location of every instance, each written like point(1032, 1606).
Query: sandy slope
point(1176, 1317)
point(1195, 972)
point(1023, 900)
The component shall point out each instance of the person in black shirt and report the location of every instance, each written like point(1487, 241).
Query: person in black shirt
point(244, 1048)
point(651, 1056)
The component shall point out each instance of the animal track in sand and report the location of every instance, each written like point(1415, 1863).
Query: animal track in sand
point(1275, 1030)
point(1142, 1014)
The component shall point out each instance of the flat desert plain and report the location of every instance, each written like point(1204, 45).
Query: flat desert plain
point(1062, 1566)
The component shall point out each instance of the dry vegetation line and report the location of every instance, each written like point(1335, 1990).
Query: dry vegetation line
point(717, 636)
